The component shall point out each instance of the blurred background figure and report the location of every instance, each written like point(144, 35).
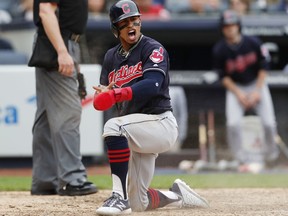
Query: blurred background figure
point(5, 17)
point(205, 6)
point(15, 10)
point(194, 6)
point(283, 6)
point(268, 6)
point(150, 10)
point(27, 9)
point(5, 8)
point(161, 2)
point(8, 54)
point(242, 7)
point(23, 10)
point(180, 111)
point(97, 8)
point(176, 6)
point(242, 69)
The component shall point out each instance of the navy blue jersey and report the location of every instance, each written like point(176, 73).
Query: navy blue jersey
point(127, 69)
point(241, 62)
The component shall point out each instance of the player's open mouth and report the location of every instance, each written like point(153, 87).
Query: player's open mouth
point(132, 34)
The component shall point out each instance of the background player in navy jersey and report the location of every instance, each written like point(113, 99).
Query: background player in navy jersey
point(242, 69)
point(135, 76)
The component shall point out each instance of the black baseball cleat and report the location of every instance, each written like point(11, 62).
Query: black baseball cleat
point(44, 192)
point(78, 190)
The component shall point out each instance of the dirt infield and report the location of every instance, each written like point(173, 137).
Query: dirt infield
point(223, 202)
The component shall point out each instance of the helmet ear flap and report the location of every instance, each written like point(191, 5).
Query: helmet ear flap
point(114, 30)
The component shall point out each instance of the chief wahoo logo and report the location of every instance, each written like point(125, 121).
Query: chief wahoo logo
point(157, 55)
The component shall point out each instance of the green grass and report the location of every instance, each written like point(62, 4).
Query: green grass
point(12, 183)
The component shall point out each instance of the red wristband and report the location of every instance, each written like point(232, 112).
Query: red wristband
point(123, 94)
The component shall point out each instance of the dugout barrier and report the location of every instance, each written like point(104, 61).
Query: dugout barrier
point(18, 106)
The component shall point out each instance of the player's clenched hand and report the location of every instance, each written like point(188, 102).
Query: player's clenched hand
point(243, 99)
point(104, 98)
point(254, 98)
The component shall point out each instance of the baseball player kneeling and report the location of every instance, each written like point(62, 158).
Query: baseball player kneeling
point(135, 78)
point(242, 68)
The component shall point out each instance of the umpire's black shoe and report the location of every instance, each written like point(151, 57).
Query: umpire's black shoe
point(78, 190)
point(44, 192)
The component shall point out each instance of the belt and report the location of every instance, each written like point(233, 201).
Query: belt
point(75, 37)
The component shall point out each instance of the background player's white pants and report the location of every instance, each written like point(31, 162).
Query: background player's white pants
point(180, 111)
point(147, 136)
point(234, 115)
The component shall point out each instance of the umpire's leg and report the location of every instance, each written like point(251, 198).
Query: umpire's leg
point(44, 172)
point(64, 114)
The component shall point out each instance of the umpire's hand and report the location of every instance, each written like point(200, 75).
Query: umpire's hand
point(66, 63)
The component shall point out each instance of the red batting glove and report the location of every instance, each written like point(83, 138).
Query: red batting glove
point(106, 100)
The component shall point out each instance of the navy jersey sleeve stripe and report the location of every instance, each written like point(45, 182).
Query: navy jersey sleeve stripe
point(154, 69)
